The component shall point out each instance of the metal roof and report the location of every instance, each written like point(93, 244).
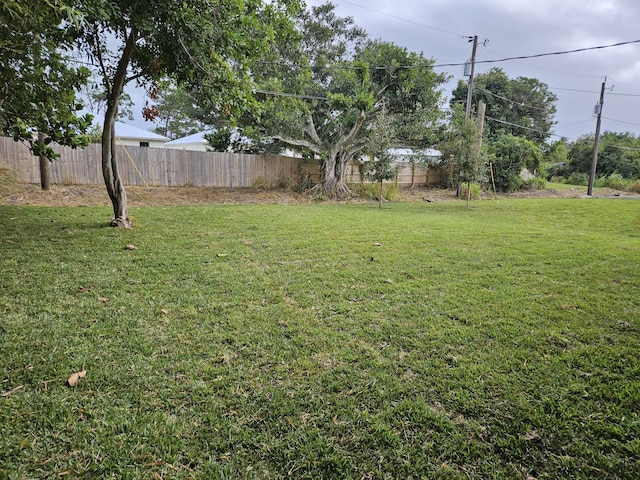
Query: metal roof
point(129, 131)
point(193, 138)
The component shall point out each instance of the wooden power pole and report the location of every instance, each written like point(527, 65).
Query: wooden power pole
point(594, 158)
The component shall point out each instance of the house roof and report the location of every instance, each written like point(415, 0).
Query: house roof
point(129, 131)
point(193, 138)
point(408, 152)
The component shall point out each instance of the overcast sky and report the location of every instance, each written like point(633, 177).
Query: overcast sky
point(508, 28)
point(439, 28)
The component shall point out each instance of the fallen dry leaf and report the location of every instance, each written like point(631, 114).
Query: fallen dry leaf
point(74, 378)
point(82, 289)
point(130, 247)
point(103, 300)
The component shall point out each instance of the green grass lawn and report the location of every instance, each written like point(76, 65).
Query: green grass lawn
point(323, 341)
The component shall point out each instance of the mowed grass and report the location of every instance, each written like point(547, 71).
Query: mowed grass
point(323, 341)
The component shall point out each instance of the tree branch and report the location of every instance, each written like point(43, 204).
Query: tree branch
point(311, 129)
point(300, 143)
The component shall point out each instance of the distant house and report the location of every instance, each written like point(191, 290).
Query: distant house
point(195, 142)
point(131, 136)
point(406, 155)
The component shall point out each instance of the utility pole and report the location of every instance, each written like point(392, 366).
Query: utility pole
point(467, 112)
point(594, 159)
point(473, 65)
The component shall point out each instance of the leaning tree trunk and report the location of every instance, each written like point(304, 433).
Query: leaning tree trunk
point(112, 180)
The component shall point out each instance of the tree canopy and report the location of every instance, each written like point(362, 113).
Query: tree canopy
point(38, 83)
point(510, 155)
point(208, 46)
point(174, 111)
point(522, 107)
point(618, 153)
point(321, 94)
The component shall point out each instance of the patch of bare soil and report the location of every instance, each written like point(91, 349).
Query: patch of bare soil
point(96, 195)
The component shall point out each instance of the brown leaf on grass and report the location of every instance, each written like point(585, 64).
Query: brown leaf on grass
point(74, 378)
point(66, 472)
point(82, 289)
point(130, 247)
point(103, 300)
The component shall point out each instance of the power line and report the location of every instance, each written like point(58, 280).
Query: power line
point(593, 91)
point(621, 121)
point(538, 55)
point(549, 69)
point(460, 64)
point(515, 102)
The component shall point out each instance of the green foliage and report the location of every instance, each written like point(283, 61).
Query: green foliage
point(318, 341)
point(509, 156)
point(535, 183)
point(514, 103)
point(462, 161)
point(325, 89)
point(380, 166)
point(472, 191)
point(177, 113)
point(618, 153)
point(371, 191)
point(37, 83)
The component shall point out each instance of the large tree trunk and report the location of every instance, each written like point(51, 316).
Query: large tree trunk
point(334, 179)
point(329, 180)
point(112, 180)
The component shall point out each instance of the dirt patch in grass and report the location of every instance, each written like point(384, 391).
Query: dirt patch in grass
point(96, 195)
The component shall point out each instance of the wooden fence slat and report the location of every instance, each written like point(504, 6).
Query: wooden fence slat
point(167, 167)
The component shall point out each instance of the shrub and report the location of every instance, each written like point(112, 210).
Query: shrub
point(577, 178)
point(535, 183)
point(261, 183)
point(634, 187)
point(390, 191)
point(616, 181)
point(371, 190)
point(475, 191)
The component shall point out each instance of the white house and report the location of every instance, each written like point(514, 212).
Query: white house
point(195, 142)
point(131, 136)
point(405, 155)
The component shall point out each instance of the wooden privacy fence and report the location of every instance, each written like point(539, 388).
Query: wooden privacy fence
point(168, 167)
